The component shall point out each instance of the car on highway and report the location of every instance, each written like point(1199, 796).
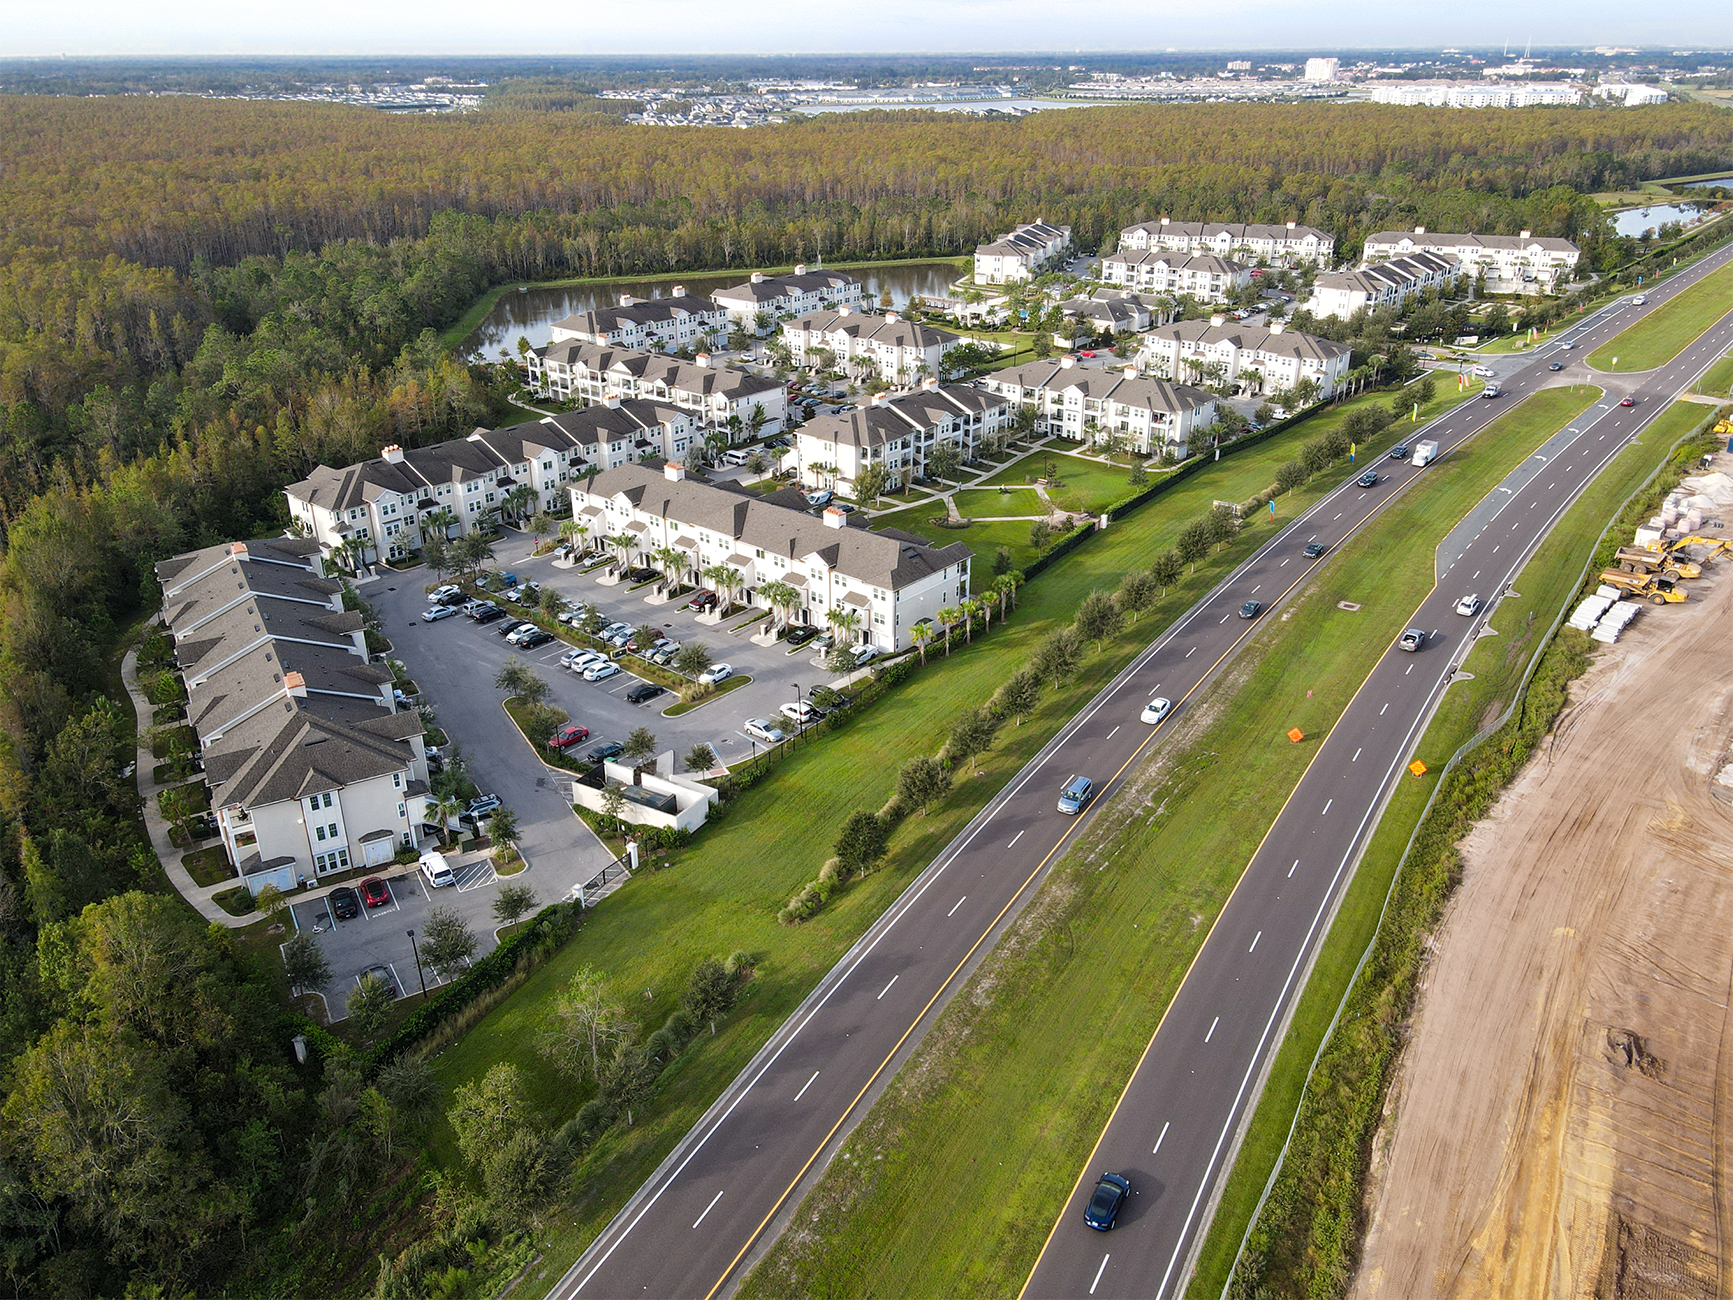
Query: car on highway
point(1468, 606)
point(345, 903)
point(1412, 639)
point(643, 692)
point(763, 729)
point(434, 613)
point(602, 671)
point(1105, 1203)
point(375, 892)
point(440, 593)
point(608, 749)
point(1566, 345)
point(383, 975)
point(1492, 390)
point(715, 673)
point(1483, 372)
point(800, 712)
point(1368, 479)
point(1556, 365)
point(1251, 609)
point(1156, 709)
point(568, 735)
point(1315, 549)
point(1075, 797)
point(1399, 451)
point(1629, 401)
point(1639, 300)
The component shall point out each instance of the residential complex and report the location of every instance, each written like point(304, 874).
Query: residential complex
point(1323, 69)
point(1022, 254)
point(1475, 94)
point(681, 320)
point(895, 350)
point(1203, 276)
point(898, 433)
point(718, 396)
point(1151, 415)
point(1284, 245)
point(1113, 311)
point(782, 296)
point(1385, 284)
point(312, 767)
point(1260, 359)
point(1524, 263)
point(1631, 95)
point(889, 580)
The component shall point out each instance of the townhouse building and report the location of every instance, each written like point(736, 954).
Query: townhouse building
point(780, 296)
point(311, 765)
point(383, 508)
point(897, 432)
point(1286, 245)
point(1258, 358)
point(681, 320)
point(1524, 263)
point(1204, 276)
point(1383, 284)
point(1108, 311)
point(1150, 415)
point(1021, 254)
point(896, 350)
point(888, 579)
point(720, 397)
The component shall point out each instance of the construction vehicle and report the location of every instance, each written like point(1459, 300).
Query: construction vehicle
point(1657, 589)
point(1719, 546)
point(1640, 559)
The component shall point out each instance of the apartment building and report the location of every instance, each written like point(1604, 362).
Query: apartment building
point(1203, 276)
point(780, 296)
point(898, 351)
point(1476, 94)
point(1261, 359)
point(669, 324)
point(1151, 415)
point(1524, 263)
point(898, 433)
point(1384, 284)
point(311, 766)
point(1113, 311)
point(1631, 95)
point(720, 397)
point(380, 508)
point(890, 580)
point(1021, 254)
point(1284, 245)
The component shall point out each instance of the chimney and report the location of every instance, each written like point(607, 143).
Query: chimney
point(758, 277)
point(1218, 320)
point(1130, 372)
point(1067, 361)
point(834, 518)
point(1420, 230)
point(679, 291)
point(674, 471)
point(393, 454)
point(843, 309)
point(1276, 327)
point(1527, 234)
point(800, 268)
point(930, 384)
point(239, 550)
point(702, 359)
point(880, 399)
point(1165, 220)
point(612, 401)
point(1290, 225)
point(891, 317)
point(295, 685)
point(627, 300)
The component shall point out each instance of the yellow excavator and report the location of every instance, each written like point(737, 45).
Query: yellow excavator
point(1656, 588)
point(1719, 546)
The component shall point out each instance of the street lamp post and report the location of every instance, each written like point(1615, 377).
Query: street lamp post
point(799, 714)
point(416, 948)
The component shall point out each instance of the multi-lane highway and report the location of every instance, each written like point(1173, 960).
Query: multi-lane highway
point(730, 1183)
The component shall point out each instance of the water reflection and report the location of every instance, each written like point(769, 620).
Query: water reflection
point(1637, 220)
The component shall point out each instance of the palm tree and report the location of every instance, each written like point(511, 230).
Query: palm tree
point(673, 565)
point(439, 520)
point(625, 544)
point(948, 618)
point(518, 500)
point(989, 602)
point(447, 808)
point(574, 531)
point(781, 598)
point(1006, 585)
point(844, 622)
point(971, 607)
point(922, 633)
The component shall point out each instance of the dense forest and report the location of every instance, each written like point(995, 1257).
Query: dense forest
point(200, 299)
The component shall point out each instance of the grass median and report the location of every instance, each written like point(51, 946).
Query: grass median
point(1497, 664)
point(1670, 329)
point(1015, 1082)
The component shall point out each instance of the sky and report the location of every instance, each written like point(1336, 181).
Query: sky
point(369, 27)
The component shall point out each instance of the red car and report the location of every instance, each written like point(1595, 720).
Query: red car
point(568, 735)
point(702, 601)
point(1629, 401)
point(375, 893)
point(1090, 355)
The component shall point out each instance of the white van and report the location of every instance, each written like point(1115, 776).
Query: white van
point(437, 870)
point(737, 456)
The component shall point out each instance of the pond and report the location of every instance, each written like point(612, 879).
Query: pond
point(1637, 220)
point(1711, 183)
point(532, 313)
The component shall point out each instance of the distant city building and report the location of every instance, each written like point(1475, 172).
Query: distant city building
point(779, 296)
point(1524, 263)
point(1022, 254)
point(1203, 276)
point(1284, 245)
point(1384, 284)
point(1323, 69)
point(1262, 359)
point(896, 350)
point(667, 324)
point(1150, 415)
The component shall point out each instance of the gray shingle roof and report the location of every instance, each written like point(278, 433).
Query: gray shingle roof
point(1253, 338)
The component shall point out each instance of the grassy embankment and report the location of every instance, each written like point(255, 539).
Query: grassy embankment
point(1717, 381)
point(1311, 1226)
point(1670, 329)
point(1020, 1073)
point(724, 892)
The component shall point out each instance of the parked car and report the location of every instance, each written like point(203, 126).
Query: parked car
point(436, 869)
point(436, 612)
point(383, 975)
point(609, 749)
point(1075, 797)
point(535, 638)
point(1412, 639)
point(822, 497)
point(763, 729)
point(866, 654)
point(1251, 609)
point(643, 573)
point(702, 601)
point(715, 673)
point(375, 892)
point(600, 672)
point(1315, 549)
point(345, 903)
point(1468, 606)
point(643, 692)
point(515, 634)
point(492, 614)
point(481, 805)
point(1156, 709)
point(798, 636)
point(1368, 479)
point(1110, 1195)
point(571, 656)
point(825, 641)
point(665, 655)
point(568, 735)
point(440, 593)
point(801, 712)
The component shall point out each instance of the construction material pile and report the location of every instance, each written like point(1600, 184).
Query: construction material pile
point(1614, 621)
point(1587, 614)
point(1700, 501)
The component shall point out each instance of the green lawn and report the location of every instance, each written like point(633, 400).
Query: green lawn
point(1017, 1079)
point(1084, 485)
point(1546, 583)
point(1669, 330)
point(1717, 381)
point(209, 866)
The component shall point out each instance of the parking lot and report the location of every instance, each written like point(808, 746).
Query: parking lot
point(379, 936)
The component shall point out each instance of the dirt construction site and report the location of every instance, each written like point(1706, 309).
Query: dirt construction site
point(1562, 1122)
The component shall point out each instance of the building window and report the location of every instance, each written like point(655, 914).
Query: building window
point(331, 830)
point(319, 833)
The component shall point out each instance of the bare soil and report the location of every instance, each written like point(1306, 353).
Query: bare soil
point(1560, 1125)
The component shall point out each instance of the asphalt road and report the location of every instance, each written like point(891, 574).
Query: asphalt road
point(731, 1183)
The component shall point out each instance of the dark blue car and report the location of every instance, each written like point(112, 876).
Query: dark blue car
point(1104, 1205)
